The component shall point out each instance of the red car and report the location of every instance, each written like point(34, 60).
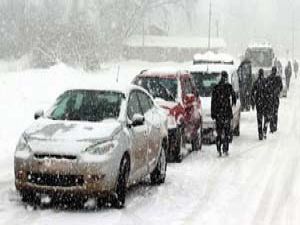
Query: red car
point(175, 92)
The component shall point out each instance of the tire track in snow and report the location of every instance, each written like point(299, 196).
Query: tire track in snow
point(277, 192)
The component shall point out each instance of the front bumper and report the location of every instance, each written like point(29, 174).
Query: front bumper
point(61, 176)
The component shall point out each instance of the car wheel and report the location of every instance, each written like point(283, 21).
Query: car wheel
point(197, 141)
point(177, 155)
point(121, 187)
point(30, 197)
point(158, 175)
point(236, 131)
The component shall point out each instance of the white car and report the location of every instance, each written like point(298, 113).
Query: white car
point(93, 143)
point(205, 78)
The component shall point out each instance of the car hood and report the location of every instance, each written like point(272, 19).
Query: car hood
point(165, 104)
point(69, 137)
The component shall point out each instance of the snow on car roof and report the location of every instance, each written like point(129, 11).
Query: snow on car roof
point(212, 68)
point(114, 87)
point(164, 71)
point(214, 57)
point(262, 44)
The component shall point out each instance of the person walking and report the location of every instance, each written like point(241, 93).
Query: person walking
point(260, 97)
point(296, 68)
point(223, 97)
point(288, 74)
point(274, 84)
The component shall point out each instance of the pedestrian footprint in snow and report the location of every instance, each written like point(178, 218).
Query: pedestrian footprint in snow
point(223, 97)
point(260, 98)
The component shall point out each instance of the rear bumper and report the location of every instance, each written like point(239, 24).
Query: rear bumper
point(209, 125)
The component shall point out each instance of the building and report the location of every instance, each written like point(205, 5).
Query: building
point(169, 48)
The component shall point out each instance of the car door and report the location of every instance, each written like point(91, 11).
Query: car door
point(191, 116)
point(152, 121)
point(138, 134)
point(237, 108)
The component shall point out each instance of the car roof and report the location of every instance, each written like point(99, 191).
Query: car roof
point(123, 89)
point(212, 68)
point(218, 58)
point(163, 72)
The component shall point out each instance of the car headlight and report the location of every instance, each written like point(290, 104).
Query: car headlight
point(23, 144)
point(101, 148)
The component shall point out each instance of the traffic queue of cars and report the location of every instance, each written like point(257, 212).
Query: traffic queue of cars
point(97, 142)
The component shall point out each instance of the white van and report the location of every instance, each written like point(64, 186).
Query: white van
point(205, 78)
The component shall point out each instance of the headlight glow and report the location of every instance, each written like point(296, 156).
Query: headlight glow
point(23, 144)
point(101, 148)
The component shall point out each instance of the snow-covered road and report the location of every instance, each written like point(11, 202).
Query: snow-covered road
point(258, 184)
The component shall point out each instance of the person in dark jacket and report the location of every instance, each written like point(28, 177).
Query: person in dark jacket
point(223, 96)
point(274, 84)
point(288, 74)
point(261, 99)
point(296, 68)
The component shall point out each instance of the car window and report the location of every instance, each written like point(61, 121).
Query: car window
point(146, 102)
point(133, 105)
point(165, 88)
point(205, 82)
point(187, 86)
point(87, 105)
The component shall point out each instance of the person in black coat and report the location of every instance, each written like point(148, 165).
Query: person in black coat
point(288, 74)
point(223, 96)
point(296, 68)
point(260, 97)
point(275, 86)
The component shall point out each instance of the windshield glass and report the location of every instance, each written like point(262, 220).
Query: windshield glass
point(165, 88)
point(260, 57)
point(86, 105)
point(205, 82)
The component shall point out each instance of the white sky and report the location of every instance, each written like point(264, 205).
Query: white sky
point(242, 21)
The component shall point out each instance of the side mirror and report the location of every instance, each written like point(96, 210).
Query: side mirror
point(189, 98)
point(38, 114)
point(138, 120)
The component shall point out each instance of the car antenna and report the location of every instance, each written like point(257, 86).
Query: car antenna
point(118, 73)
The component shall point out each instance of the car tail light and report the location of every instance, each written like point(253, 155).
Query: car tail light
point(171, 122)
point(21, 175)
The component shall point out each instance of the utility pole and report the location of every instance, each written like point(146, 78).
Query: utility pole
point(293, 33)
point(217, 28)
point(209, 26)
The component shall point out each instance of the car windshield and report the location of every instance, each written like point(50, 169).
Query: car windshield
point(87, 105)
point(165, 88)
point(205, 82)
point(260, 57)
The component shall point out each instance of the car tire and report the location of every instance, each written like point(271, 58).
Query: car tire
point(236, 131)
point(30, 197)
point(177, 154)
point(121, 186)
point(158, 175)
point(197, 141)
